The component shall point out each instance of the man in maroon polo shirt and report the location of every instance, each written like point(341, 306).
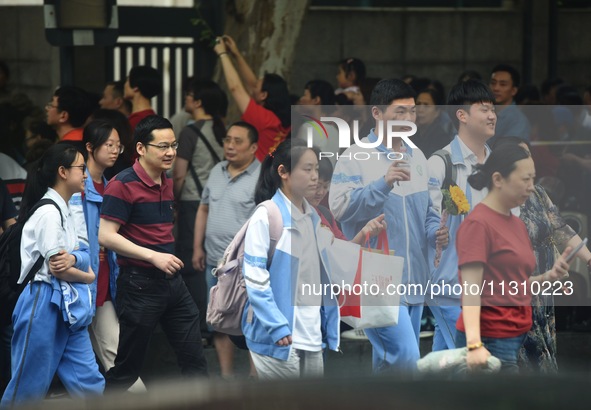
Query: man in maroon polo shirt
point(136, 222)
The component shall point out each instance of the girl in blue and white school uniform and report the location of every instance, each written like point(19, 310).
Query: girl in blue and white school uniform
point(103, 147)
point(286, 330)
point(44, 344)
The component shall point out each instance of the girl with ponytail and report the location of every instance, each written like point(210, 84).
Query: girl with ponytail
point(281, 324)
point(496, 259)
point(47, 338)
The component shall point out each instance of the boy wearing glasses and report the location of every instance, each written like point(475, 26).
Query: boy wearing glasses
point(136, 222)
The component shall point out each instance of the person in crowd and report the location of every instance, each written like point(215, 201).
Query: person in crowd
point(504, 84)
point(121, 125)
point(67, 113)
point(43, 343)
point(185, 116)
point(363, 190)
point(318, 100)
point(37, 130)
point(113, 98)
point(434, 127)
point(350, 79)
point(200, 149)
point(286, 336)
point(263, 102)
point(548, 232)
point(136, 222)
point(472, 110)
point(14, 176)
point(494, 249)
point(469, 75)
point(103, 147)
point(142, 84)
point(226, 204)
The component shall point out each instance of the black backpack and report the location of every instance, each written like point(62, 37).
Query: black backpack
point(10, 264)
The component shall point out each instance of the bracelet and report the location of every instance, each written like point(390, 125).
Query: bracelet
point(222, 53)
point(475, 346)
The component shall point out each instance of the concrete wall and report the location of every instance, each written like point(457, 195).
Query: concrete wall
point(439, 45)
point(34, 64)
point(391, 43)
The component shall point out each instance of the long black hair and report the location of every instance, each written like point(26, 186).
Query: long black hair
point(44, 173)
point(501, 160)
point(288, 154)
point(277, 99)
point(212, 101)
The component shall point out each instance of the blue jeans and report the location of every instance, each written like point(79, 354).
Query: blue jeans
point(506, 349)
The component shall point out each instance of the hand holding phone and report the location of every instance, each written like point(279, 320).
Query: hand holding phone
point(576, 250)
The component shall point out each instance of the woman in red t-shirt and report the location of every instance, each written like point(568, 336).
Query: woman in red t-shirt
point(495, 259)
point(263, 102)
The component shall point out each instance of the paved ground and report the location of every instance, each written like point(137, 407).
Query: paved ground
point(574, 356)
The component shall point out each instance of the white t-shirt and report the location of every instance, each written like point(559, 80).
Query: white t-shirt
point(307, 328)
point(43, 235)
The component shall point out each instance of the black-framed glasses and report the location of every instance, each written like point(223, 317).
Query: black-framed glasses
point(82, 167)
point(165, 147)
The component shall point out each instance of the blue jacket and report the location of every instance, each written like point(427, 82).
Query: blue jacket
point(447, 271)
point(92, 211)
point(269, 312)
point(359, 193)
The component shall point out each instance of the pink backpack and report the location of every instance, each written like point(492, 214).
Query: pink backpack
point(228, 297)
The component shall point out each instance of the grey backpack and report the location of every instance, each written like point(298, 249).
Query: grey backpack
point(228, 298)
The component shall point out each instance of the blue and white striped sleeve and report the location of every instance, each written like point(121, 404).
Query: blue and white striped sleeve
point(258, 279)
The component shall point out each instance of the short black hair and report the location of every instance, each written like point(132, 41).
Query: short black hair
point(76, 102)
point(143, 131)
point(253, 134)
point(322, 89)
point(389, 90)
point(466, 93)
point(118, 88)
point(354, 65)
point(515, 77)
point(146, 79)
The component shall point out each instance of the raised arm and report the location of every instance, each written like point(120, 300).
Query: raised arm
point(241, 96)
point(248, 76)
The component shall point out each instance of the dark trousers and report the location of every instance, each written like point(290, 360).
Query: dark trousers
point(146, 297)
point(194, 279)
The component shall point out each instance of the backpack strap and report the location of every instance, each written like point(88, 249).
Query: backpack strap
point(275, 226)
point(326, 213)
point(39, 262)
point(450, 169)
point(43, 202)
point(214, 155)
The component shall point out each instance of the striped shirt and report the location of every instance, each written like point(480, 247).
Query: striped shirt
point(143, 208)
point(231, 203)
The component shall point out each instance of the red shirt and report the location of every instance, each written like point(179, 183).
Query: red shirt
point(102, 292)
point(136, 117)
point(73, 135)
point(501, 243)
point(143, 208)
point(271, 132)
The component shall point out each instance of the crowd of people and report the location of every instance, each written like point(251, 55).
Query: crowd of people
point(146, 206)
